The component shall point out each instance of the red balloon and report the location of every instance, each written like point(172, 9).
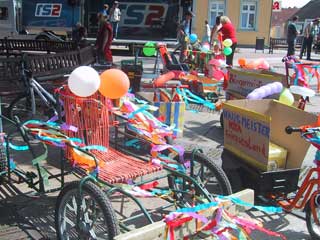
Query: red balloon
point(114, 83)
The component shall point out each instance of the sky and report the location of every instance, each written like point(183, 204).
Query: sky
point(294, 3)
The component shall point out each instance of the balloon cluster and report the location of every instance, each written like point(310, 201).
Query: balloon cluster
point(255, 64)
point(84, 81)
point(227, 50)
point(265, 91)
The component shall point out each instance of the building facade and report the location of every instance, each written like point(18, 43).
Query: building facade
point(251, 18)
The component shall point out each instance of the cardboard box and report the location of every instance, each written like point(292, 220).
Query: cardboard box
point(250, 126)
point(172, 112)
point(244, 81)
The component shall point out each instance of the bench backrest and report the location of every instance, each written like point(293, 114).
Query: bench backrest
point(8, 45)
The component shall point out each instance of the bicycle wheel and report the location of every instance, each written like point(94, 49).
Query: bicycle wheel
point(21, 107)
point(313, 228)
point(206, 172)
point(97, 218)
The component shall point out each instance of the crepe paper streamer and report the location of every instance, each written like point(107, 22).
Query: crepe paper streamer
point(131, 143)
point(16, 148)
point(95, 147)
point(42, 157)
point(240, 202)
point(141, 109)
point(254, 226)
point(65, 126)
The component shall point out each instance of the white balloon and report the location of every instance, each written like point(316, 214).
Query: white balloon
point(84, 81)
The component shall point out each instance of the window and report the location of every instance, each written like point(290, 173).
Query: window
point(3, 13)
point(216, 8)
point(248, 14)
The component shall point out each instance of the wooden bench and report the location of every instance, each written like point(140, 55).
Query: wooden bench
point(10, 45)
point(281, 43)
point(44, 67)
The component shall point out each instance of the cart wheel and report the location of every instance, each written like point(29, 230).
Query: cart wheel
point(221, 119)
point(313, 228)
point(97, 217)
point(235, 179)
point(206, 172)
point(21, 107)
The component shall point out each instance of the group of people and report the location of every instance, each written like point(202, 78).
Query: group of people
point(223, 29)
point(310, 32)
point(108, 31)
point(108, 21)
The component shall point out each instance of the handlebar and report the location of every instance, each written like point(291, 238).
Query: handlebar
point(303, 130)
point(290, 129)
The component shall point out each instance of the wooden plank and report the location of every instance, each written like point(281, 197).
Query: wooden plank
point(156, 230)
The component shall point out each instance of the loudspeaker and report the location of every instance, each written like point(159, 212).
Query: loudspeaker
point(73, 3)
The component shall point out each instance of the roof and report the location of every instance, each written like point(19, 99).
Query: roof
point(279, 18)
point(309, 11)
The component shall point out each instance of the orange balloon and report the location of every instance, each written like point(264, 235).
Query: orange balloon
point(114, 83)
point(242, 62)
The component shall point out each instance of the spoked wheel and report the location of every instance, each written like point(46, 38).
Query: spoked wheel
point(221, 119)
point(313, 227)
point(207, 173)
point(96, 218)
point(22, 108)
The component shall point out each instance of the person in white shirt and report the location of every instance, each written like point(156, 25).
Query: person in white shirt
point(115, 14)
point(207, 32)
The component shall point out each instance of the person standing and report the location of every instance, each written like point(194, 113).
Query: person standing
point(207, 32)
point(215, 32)
point(308, 34)
point(183, 35)
point(104, 39)
point(105, 10)
point(291, 36)
point(115, 14)
point(228, 32)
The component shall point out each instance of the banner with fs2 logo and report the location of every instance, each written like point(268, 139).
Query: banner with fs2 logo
point(51, 14)
point(140, 19)
point(277, 5)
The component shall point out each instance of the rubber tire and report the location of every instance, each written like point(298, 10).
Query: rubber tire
point(221, 120)
point(235, 180)
point(313, 234)
point(102, 200)
point(23, 98)
point(214, 168)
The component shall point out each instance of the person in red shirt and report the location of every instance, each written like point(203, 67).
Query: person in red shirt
point(104, 39)
point(228, 31)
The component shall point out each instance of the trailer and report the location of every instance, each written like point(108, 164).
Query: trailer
point(141, 20)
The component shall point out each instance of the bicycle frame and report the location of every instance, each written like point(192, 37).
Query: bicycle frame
point(45, 96)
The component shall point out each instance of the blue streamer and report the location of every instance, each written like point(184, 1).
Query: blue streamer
point(131, 143)
point(95, 147)
point(198, 208)
point(143, 108)
point(17, 148)
point(240, 202)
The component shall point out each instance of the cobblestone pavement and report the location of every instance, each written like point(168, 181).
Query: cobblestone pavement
point(26, 217)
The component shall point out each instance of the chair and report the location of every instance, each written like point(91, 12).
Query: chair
point(91, 117)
